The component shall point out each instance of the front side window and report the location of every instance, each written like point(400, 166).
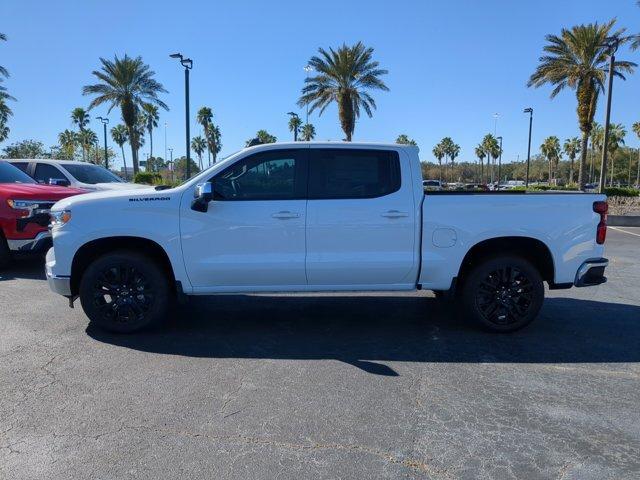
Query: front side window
point(351, 173)
point(45, 172)
point(263, 176)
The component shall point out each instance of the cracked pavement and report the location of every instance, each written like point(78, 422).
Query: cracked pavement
point(323, 386)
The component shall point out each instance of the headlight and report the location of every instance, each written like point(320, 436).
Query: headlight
point(60, 217)
point(23, 204)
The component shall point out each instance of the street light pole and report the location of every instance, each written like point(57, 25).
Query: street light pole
point(187, 63)
point(612, 45)
point(499, 163)
point(528, 110)
point(171, 162)
point(105, 121)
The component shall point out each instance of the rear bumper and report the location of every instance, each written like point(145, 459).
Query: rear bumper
point(40, 243)
point(591, 273)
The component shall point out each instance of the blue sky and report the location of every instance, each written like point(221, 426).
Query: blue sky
point(452, 65)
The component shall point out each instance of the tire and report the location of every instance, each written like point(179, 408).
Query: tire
point(503, 293)
point(5, 253)
point(124, 292)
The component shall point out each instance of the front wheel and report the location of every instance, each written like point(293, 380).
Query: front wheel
point(503, 293)
point(124, 292)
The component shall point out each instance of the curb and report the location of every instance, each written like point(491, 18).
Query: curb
point(623, 220)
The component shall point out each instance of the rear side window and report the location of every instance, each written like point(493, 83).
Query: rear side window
point(45, 172)
point(21, 165)
point(347, 173)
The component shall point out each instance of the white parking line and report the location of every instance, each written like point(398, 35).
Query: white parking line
point(624, 231)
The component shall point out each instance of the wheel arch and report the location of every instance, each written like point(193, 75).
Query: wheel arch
point(88, 252)
point(532, 249)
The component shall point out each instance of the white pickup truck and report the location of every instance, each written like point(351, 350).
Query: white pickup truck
point(317, 217)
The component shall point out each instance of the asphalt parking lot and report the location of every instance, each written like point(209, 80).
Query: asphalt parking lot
point(324, 386)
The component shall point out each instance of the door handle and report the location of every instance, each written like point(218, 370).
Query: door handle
point(283, 215)
point(394, 214)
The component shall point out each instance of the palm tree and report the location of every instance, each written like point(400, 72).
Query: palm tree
point(480, 153)
point(120, 136)
point(68, 141)
point(294, 126)
point(571, 148)
point(213, 138)
point(127, 83)
point(550, 149)
point(80, 118)
point(491, 147)
point(617, 132)
point(151, 117)
point(404, 139)
point(577, 59)
point(454, 151)
point(5, 113)
point(308, 132)
point(439, 153)
point(262, 136)
point(199, 145)
point(86, 138)
point(343, 76)
point(3, 71)
point(636, 129)
point(204, 117)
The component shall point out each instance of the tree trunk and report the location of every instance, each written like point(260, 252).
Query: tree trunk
point(151, 143)
point(638, 174)
point(134, 151)
point(571, 171)
point(550, 170)
point(583, 158)
point(346, 114)
point(124, 161)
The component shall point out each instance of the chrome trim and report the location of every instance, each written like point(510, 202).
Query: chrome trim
point(59, 285)
point(584, 269)
point(27, 244)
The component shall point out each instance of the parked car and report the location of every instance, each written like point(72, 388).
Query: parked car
point(316, 217)
point(24, 212)
point(432, 185)
point(66, 173)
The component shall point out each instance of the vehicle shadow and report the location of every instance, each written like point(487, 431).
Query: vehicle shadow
point(24, 266)
point(363, 331)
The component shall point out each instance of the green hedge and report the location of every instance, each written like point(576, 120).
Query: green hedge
point(146, 177)
point(621, 192)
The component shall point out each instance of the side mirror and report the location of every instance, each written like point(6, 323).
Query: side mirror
point(202, 195)
point(60, 182)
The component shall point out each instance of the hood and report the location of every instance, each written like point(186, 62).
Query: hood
point(119, 186)
point(36, 191)
point(128, 195)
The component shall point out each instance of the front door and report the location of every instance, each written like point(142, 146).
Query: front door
point(253, 235)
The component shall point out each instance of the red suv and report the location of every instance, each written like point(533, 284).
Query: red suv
point(24, 212)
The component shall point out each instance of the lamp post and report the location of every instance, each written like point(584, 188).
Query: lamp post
point(295, 130)
point(171, 162)
point(499, 163)
point(612, 44)
point(308, 68)
point(105, 122)
point(187, 63)
point(528, 110)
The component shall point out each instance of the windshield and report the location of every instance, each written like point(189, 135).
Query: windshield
point(92, 174)
point(11, 174)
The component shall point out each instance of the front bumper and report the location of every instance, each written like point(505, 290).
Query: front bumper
point(591, 273)
point(40, 243)
point(60, 284)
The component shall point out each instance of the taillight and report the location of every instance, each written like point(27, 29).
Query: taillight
point(601, 231)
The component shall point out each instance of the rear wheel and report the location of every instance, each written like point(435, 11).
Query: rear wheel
point(503, 293)
point(124, 292)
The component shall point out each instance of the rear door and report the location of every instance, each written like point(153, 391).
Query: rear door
point(360, 220)
point(45, 172)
